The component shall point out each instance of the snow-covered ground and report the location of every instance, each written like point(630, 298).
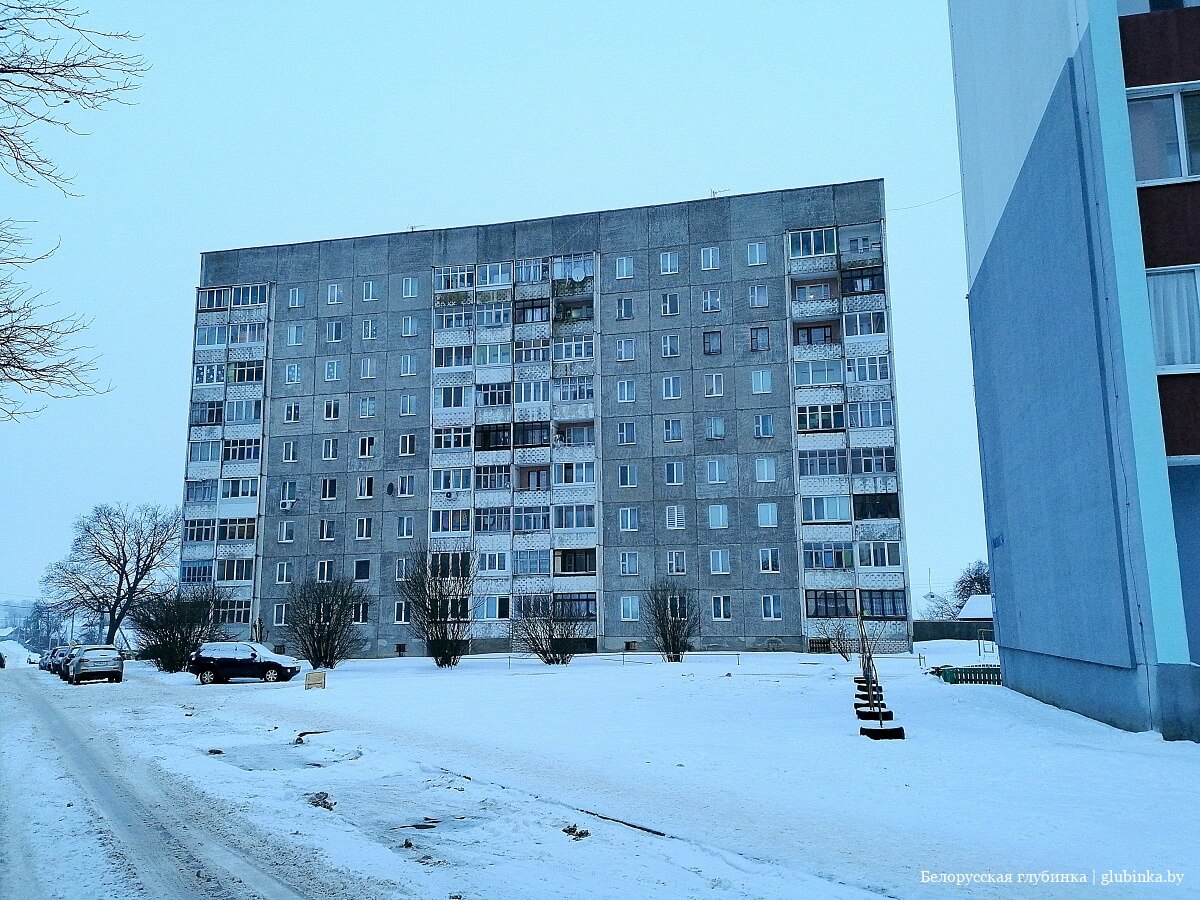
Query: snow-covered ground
point(725, 779)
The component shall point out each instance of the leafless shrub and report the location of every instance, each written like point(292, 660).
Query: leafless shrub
point(672, 618)
point(548, 633)
point(436, 590)
point(321, 620)
point(840, 633)
point(171, 627)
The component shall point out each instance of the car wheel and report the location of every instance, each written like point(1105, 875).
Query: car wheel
point(208, 676)
point(271, 675)
point(116, 679)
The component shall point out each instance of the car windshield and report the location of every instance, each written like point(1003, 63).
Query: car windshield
point(261, 650)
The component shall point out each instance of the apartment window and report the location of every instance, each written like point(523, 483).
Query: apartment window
point(287, 532)
point(711, 300)
point(821, 417)
point(204, 451)
point(670, 345)
point(718, 471)
point(805, 293)
point(812, 242)
point(366, 487)
point(830, 604)
point(235, 570)
point(366, 407)
point(332, 370)
point(334, 294)
point(712, 343)
point(333, 332)
point(287, 491)
point(884, 604)
point(575, 562)
point(863, 281)
point(243, 529)
point(245, 372)
point(670, 304)
point(758, 296)
point(453, 397)
point(575, 473)
point(760, 381)
point(531, 562)
point(668, 263)
point(404, 527)
point(573, 347)
point(672, 430)
point(714, 384)
point(870, 414)
point(756, 253)
point(494, 313)
point(493, 561)
point(629, 562)
point(676, 562)
point(1166, 135)
point(768, 515)
point(494, 394)
point(408, 445)
point(825, 509)
point(626, 433)
point(627, 475)
point(211, 374)
point(879, 554)
point(718, 562)
point(295, 297)
point(675, 518)
point(672, 387)
point(760, 338)
point(710, 258)
point(772, 607)
point(867, 368)
point(714, 428)
point(408, 404)
point(242, 450)
point(452, 357)
point(876, 506)
point(864, 323)
point(627, 518)
point(328, 488)
point(494, 607)
point(630, 611)
point(325, 529)
point(624, 266)
point(454, 437)
point(625, 349)
point(535, 350)
point(764, 469)
point(295, 335)
point(199, 530)
point(405, 485)
point(872, 460)
point(626, 392)
point(673, 473)
point(329, 448)
point(624, 308)
point(280, 617)
point(833, 555)
point(364, 528)
point(202, 491)
point(291, 413)
point(291, 373)
point(362, 572)
point(232, 488)
point(764, 425)
point(718, 516)
point(722, 608)
point(817, 372)
point(408, 365)
point(449, 521)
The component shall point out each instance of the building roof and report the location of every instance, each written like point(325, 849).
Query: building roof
point(977, 608)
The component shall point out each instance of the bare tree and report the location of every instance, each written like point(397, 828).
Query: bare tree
point(840, 633)
point(170, 627)
point(43, 627)
point(549, 633)
point(323, 620)
point(39, 354)
point(120, 557)
point(50, 64)
point(436, 589)
point(672, 618)
point(975, 579)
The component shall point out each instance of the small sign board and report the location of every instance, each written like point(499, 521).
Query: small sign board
point(314, 680)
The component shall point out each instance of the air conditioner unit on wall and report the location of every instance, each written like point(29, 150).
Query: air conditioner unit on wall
point(286, 504)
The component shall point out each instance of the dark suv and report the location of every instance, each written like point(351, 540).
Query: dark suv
point(222, 660)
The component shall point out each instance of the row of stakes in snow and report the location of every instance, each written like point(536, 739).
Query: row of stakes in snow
point(869, 707)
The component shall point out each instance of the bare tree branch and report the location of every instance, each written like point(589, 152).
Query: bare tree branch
point(436, 589)
point(322, 620)
point(49, 62)
point(672, 618)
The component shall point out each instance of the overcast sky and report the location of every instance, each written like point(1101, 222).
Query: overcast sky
point(271, 123)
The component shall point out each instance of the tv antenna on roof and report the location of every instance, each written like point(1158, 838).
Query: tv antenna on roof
point(712, 192)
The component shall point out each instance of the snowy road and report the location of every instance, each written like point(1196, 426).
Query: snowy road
point(136, 833)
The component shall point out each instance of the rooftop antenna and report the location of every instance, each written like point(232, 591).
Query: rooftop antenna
point(712, 192)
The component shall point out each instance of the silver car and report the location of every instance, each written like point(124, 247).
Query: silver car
point(90, 663)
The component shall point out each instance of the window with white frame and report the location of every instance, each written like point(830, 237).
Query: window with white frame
point(291, 413)
point(718, 471)
point(366, 487)
point(756, 253)
point(405, 485)
point(334, 294)
point(326, 529)
point(400, 616)
point(676, 562)
point(630, 608)
point(672, 387)
point(295, 297)
point(408, 364)
point(816, 372)
point(626, 348)
point(627, 518)
point(404, 527)
point(718, 562)
point(624, 267)
point(368, 291)
point(812, 242)
point(1175, 316)
point(573, 347)
point(366, 367)
point(861, 369)
point(626, 433)
point(295, 335)
point(332, 370)
point(283, 572)
point(835, 508)
point(710, 258)
point(670, 304)
point(668, 262)
point(772, 607)
point(364, 528)
point(722, 608)
point(758, 296)
point(760, 381)
point(764, 469)
point(493, 561)
point(280, 617)
point(870, 414)
point(710, 300)
point(407, 445)
point(408, 326)
point(768, 515)
point(291, 374)
point(287, 531)
point(370, 329)
point(329, 448)
point(863, 323)
point(408, 404)
point(760, 338)
point(714, 384)
point(879, 554)
point(289, 452)
point(718, 516)
point(673, 473)
point(626, 392)
point(1165, 127)
point(629, 562)
point(627, 475)
point(714, 428)
point(675, 518)
point(408, 286)
point(670, 345)
point(366, 407)
point(624, 309)
point(324, 570)
point(672, 430)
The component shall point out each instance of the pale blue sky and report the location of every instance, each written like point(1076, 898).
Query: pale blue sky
point(271, 123)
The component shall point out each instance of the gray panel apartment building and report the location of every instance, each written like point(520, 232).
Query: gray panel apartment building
point(700, 391)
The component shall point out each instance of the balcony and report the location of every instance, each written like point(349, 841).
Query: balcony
point(573, 287)
point(534, 291)
point(531, 456)
point(805, 310)
point(828, 393)
point(492, 415)
point(874, 484)
point(452, 337)
point(806, 265)
point(860, 259)
point(864, 302)
point(802, 352)
point(872, 579)
point(824, 485)
point(877, 530)
point(828, 578)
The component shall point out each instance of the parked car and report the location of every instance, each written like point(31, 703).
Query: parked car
point(220, 661)
point(64, 667)
point(33, 659)
point(57, 657)
point(1, 660)
point(98, 661)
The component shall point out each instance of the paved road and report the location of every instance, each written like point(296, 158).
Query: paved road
point(128, 831)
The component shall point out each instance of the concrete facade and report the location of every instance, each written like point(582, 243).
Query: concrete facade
point(664, 340)
point(1085, 526)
